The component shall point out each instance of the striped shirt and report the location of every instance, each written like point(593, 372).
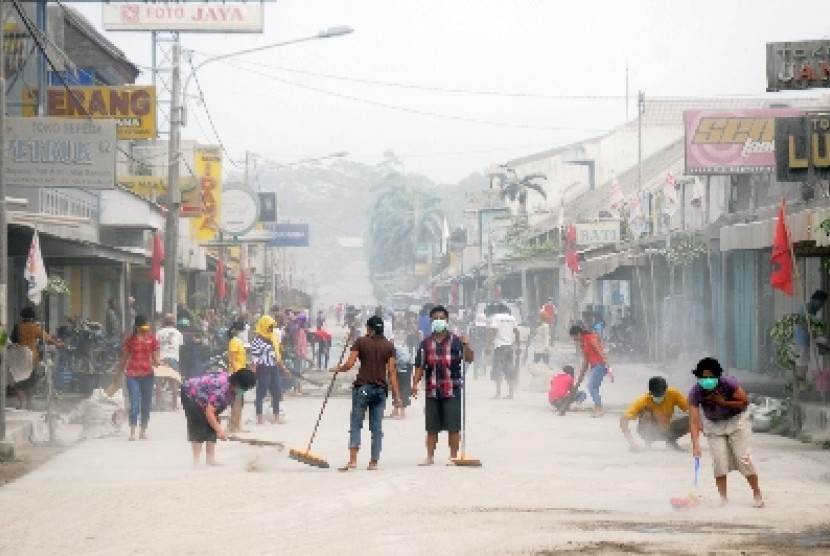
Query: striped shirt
point(262, 352)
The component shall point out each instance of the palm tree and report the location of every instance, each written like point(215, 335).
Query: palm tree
point(516, 189)
point(401, 218)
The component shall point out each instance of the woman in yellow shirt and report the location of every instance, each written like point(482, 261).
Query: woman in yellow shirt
point(237, 360)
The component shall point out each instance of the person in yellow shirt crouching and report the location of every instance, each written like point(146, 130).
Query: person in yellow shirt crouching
point(237, 360)
point(655, 413)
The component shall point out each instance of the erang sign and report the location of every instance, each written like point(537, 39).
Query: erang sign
point(598, 233)
point(202, 17)
point(132, 108)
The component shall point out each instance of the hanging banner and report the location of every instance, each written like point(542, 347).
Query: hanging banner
point(207, 166)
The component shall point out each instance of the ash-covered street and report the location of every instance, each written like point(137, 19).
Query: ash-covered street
point(548, 484)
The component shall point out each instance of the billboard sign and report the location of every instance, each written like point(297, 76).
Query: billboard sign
point(202, 17)
point(132, 108)
point(792, 153)
point(289, 235)
point(60, 152)
point(240, 210)
point(798, 65)
point(598, 233)
point(207, 168)
point(738, 141)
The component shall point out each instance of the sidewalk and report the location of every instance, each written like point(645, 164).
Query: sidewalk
point(25, 428)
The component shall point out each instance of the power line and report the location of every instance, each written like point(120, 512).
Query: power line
point(412, 110)
point(209, 116)
point(417, 87)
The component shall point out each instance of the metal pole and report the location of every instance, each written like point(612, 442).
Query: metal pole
point(171, 232)
point(4, 228)
point(641, 108)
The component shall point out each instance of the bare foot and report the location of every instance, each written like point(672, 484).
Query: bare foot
point(758, 501)
point(348, 467)
point(426, 462)
point(724, 501)
point(213, 463)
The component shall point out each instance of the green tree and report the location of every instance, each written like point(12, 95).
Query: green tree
point(401, 217)
point(516, 189)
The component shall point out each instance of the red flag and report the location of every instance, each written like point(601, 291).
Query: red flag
point(219, 281)
point(571, 258)
point(157, 261)
point(782, 274)
point(242, 287)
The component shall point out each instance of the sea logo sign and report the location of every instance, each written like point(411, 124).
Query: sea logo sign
point(731, 141)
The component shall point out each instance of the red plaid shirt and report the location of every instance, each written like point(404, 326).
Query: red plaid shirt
point(441, 363)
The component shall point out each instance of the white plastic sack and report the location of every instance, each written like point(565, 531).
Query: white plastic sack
point(20, 362)
point(100, 415)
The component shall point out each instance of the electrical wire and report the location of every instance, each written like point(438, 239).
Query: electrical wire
point(407, 109)
point(429, 88)
point(209, 116)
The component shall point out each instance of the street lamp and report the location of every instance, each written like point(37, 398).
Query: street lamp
point(177, 120)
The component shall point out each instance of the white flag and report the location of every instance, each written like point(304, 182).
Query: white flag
point(445, 237)
point(35, 273)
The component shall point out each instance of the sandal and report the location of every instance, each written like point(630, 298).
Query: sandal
point(426, 462)
point(758, 502)
point(347, 467)
point(373, 466)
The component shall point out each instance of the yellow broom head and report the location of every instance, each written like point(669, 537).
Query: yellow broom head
point(304, 456)
point(464, 461)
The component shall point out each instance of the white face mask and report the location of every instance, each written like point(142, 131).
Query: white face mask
point(658, 399)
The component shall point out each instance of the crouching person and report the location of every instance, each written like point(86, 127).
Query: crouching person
point(655, 413)
point(203, 399)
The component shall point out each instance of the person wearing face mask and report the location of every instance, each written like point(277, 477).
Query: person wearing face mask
point(138, 356)
point(439, 360)
point(203, 399)
point(719, 403)
point(655, 411)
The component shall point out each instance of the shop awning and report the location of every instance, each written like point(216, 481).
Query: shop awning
point(68, 251)
point(803, 225)
point(598, 267)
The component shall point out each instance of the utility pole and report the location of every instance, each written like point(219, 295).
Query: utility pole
point(4, 227)
point(174, 198)
point(641, 108)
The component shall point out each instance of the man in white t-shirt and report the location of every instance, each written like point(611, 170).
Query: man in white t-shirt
point(504, 342)
point(170, 341)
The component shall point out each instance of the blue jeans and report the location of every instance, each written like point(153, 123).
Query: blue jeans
point(373, 398)
point(597, 373)
point(140, 390)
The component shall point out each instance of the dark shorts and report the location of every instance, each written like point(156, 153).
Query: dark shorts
point(443, 415)
point(198, 428)
point(504, 365)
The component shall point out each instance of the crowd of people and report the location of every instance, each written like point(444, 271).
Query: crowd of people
point(268, 354)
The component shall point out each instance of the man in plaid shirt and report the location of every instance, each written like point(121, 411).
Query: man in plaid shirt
point(439, 361)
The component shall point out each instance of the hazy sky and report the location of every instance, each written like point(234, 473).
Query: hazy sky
point(534, 52)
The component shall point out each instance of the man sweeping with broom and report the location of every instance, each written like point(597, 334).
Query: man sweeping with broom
point(439, 360)
point(377, 373)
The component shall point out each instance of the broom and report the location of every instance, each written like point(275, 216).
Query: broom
point(462, 460)
point(305, 456)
